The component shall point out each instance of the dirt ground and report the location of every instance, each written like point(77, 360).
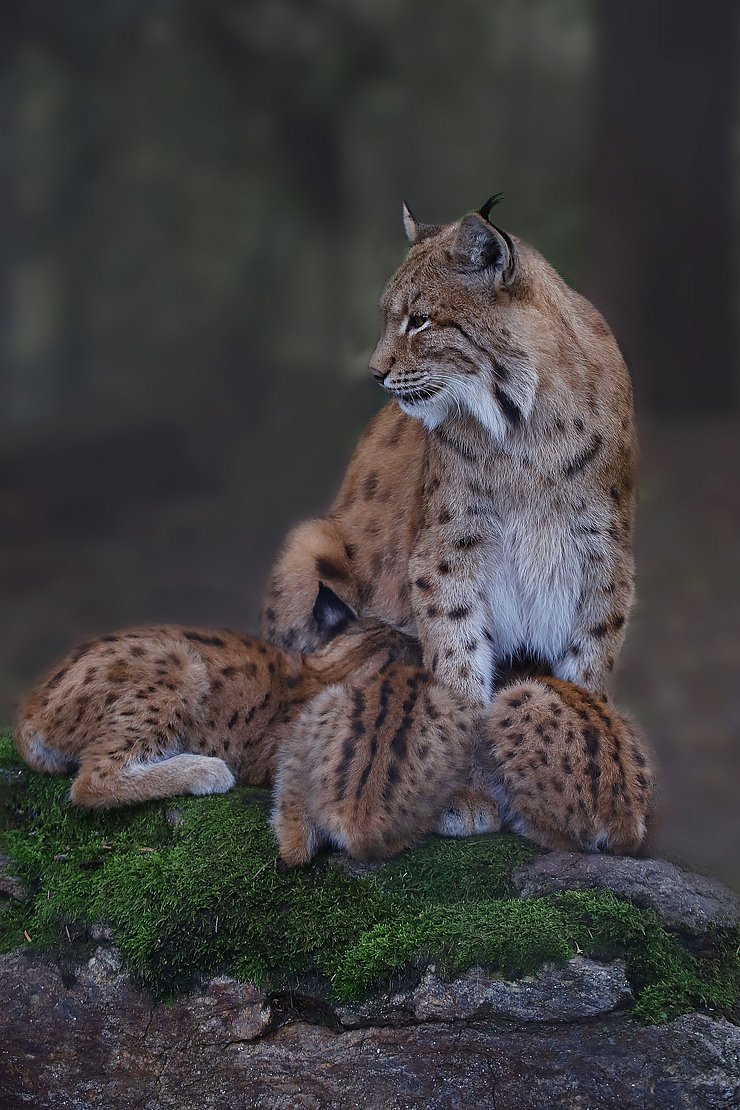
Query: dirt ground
point(98, 537)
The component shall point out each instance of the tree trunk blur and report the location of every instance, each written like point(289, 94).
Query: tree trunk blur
point(8, 223)
point(661, 242)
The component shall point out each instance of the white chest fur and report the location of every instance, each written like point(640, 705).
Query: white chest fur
point(533, 584)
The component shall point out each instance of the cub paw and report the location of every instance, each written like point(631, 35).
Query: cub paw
point(471, 813)
point(216, 778)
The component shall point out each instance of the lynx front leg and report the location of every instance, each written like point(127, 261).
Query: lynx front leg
point(107, 779)
point(297, 835)
point(600, 625)
point(313, 552)
point(451, 612)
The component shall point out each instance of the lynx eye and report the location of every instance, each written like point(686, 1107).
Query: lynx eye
point(416, 322)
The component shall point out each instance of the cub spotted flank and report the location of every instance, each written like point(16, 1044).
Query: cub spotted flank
point(370, 766)
point(568, 771)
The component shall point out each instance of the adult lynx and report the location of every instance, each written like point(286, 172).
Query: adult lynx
point(488, 509)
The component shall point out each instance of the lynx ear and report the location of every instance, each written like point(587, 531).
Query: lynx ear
point(416, 231)
point(331, 614)
point(481, 246)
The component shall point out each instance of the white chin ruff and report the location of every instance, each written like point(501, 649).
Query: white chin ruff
point(430, 413)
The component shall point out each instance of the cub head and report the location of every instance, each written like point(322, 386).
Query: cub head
point(352, 643)
point(457, 324)
point(332, 615)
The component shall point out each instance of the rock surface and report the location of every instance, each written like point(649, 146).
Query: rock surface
point(680, 898)
point(582, 989)
point(92, 1038)
point(191, 894)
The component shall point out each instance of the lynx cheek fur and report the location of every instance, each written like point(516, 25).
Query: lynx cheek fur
point(489, 508)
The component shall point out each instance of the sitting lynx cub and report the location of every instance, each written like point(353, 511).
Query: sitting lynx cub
point(370, 766)
point(567, 771)
point(375, 764)
point(553, 765)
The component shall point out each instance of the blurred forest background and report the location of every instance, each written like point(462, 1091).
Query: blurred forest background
point(199, 205)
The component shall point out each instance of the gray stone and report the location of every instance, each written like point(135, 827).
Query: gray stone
point(100, 932)
point(581, 989)
point(680, 898)
point(95, 1040)
point(103, 966)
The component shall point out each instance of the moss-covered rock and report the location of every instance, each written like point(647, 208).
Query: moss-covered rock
point(191, 889)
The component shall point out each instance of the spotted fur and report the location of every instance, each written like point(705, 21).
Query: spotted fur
point(368, 752)
point(568, 771)
point(374, 766)
point(370, 766)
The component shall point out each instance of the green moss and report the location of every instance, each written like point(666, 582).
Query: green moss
point(192, 887)
point(511, 936)
point(666, 975)
point(450, 871)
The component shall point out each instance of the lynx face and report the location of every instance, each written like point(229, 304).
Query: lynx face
point(458, 320)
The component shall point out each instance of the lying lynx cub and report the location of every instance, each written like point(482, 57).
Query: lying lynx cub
point(155, 712)
point(365, 748)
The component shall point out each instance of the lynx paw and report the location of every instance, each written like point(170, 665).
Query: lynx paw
point(471, 812)
point(211, 776)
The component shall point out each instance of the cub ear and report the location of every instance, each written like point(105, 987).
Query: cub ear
point(416, 231)
point(480, 246)
point(331, 614)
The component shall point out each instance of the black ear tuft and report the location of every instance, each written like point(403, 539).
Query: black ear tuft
point(331, 614)
point(485, 209)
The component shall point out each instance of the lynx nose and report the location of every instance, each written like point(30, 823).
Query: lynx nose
point(381, 374)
